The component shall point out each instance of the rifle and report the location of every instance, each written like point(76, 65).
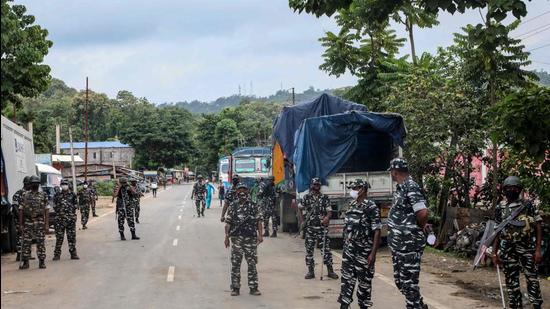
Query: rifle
point(489, 236)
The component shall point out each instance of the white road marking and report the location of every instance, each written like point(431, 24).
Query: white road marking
point(171, 273)
point(175, 242)
point(177, 228)
point(389, 281)
point(179, 217)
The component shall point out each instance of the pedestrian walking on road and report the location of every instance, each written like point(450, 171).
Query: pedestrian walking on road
point(407, 229)
point(221, 193)
point(135, 199)
point(317, 218)
point(17, 201)
point(266, 198)
point(210, 189)
point(199, 195)
point(361, 240)
point(124, 208)
point(85, 197)
point(154, 187)
point(32, 219)
point(243, 230)
point(93, 190)
point(65, 205)
point(518, 246)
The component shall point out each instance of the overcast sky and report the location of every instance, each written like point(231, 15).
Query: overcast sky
point(171, 51)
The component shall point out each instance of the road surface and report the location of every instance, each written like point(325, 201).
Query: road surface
point(180, 262)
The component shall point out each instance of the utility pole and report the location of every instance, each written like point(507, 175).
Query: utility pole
point(293, 97)
point(72, 159)
point(86, 134)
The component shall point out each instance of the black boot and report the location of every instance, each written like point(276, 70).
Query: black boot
point(344, 306)
point(235, 292)
point(122, 237)
point(95, 215)
point(137, 220)
point(56, 257)
point(74, 256)
point(330, 272)
point(255, 292)
point(18, 257)
point(25, 265)
point(274, 234)
point(134, 236)
point(310, 273)
point(266, 233)
point(41, 264)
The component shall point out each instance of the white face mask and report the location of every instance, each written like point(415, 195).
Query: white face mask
point(85, 186)
point(64, 187)
point(354, 193)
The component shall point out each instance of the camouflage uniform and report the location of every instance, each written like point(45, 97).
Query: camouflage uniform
point(93, 191)
point(199, 193)
point(84, 203)
point(17, 199)
point(361, 221)
point(65, 205)
point(125, 208)
point(266, 198)
point(243, 220)
point(33, 206)
point(407, 240)
point(516, 250)
point(316, 207)
point(135, 201)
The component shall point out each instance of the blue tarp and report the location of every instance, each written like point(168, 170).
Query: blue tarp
point(290, 119)
point(325, 144)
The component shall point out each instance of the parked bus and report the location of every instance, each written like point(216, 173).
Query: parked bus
point(223, 171)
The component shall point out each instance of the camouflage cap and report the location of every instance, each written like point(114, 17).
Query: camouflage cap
point(512, 181)
point(64, 182)
point(235, 177)
point(27, 180)
point(315, 181)
point(133, 180)
point(242, 186)
point(200, 177)
point(359, 183)
point(123, 180)
point(34, 179)
point(399, 164)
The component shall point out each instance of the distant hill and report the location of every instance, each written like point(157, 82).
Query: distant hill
point(281, 96)
point(544, 77)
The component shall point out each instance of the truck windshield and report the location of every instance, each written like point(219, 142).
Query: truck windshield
point(225, 168)
point(245, 166)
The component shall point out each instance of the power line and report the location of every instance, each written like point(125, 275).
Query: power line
point(545, 45)
point(536, 33)
point(530, 19)
point(528, 32)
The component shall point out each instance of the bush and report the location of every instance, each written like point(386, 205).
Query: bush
point(105, 188)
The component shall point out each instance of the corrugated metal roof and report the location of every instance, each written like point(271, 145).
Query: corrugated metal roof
point(252, 151)
point(106, 144)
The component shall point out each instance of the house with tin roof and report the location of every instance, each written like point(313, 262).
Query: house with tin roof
point(102, 153)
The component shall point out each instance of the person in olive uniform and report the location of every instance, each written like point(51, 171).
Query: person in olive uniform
point(243, 230)
point(407, 228)
point(135, 200)
point(230, 195)
point(518, 245)
point(361, 240)
point(32, 219)
point(85, 197)
point(16, 202)
point(65, 205)
point(124, 208)
point(317, 217)
point(199, 195)
point(93, 190)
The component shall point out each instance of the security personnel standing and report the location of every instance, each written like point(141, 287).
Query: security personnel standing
point(266, 194)
point(84, 203)
point(361, 240)
point(16, 202)
point(407, 223)
point(93, 190)
point(124, 208)
point(230, 195)
point(515, 246)
point(199, 194)
point(135, 200)
point(243, 230)
point(65, 205)
point(317, 218)
point(32, 219)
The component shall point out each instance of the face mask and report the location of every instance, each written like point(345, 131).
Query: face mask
point(85, 186)
point(242, 195)
point(354, 193)
point(35, 186)
point(64, 187)
point(511, 195)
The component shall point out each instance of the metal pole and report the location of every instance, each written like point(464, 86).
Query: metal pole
point(293, 97)
point(114, 168)
point(86, 134)
point(72, 159)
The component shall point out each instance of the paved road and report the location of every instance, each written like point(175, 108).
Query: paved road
point(180, 262)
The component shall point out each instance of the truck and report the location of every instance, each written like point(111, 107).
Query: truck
point(338, 141)
point(251, 164)
point(17, 155)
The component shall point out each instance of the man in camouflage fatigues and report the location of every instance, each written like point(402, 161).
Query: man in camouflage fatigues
point(16, 202)
point(32, 219)
point(406, 238)
point(361, 240)
point(243, 229)
point(135, 200)
point(65, 205)
point(124, 208)
point(518, 245)
point(317, 217)
point(199, 194)
point(266, 198)
point(85, 197)
point(93, 190)
point(230, 195)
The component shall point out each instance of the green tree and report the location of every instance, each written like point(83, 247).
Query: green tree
point(23, 47)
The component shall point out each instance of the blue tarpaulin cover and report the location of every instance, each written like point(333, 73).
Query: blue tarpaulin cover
point(324, 144)
point(290, 119)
